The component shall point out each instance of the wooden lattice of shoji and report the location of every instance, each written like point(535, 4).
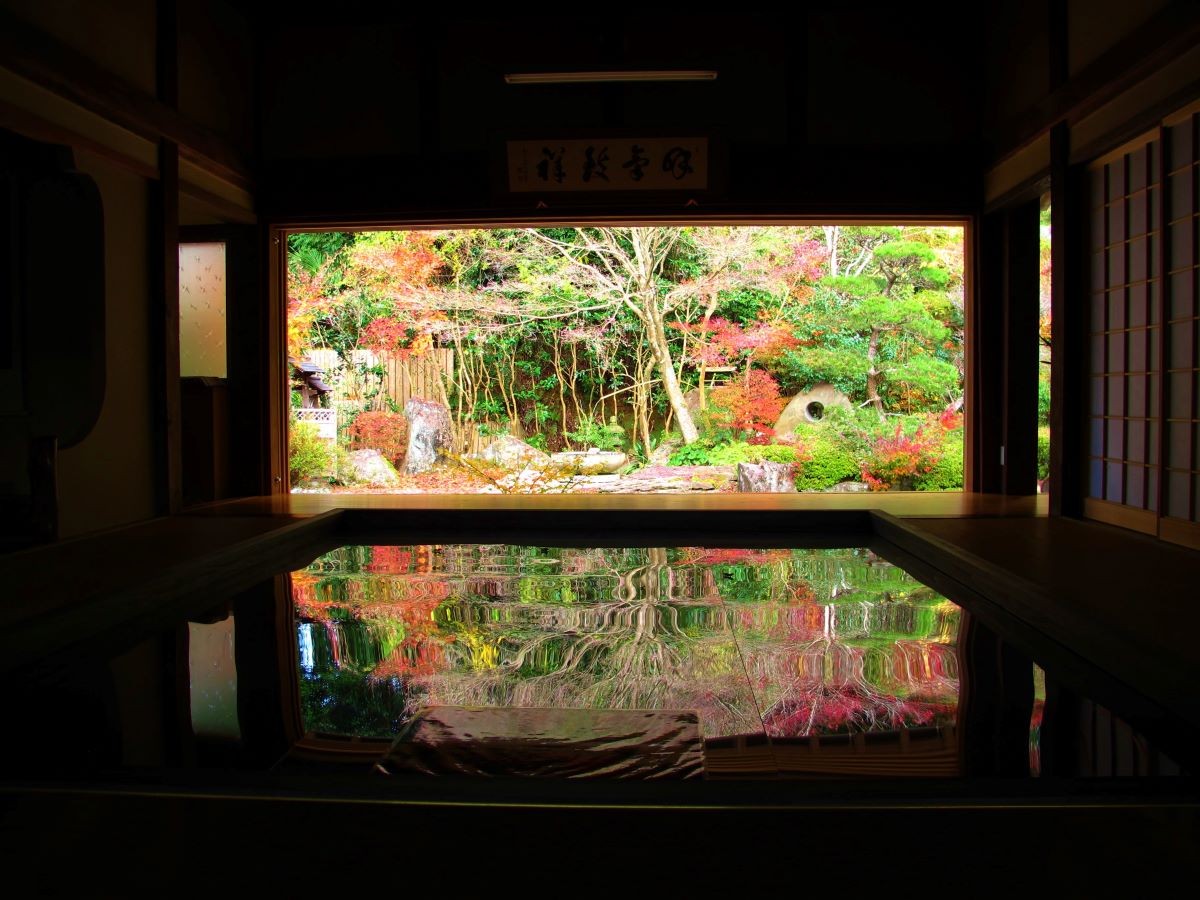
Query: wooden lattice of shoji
point(1143, 427)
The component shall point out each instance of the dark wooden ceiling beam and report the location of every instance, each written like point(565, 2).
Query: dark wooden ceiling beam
point(1163, 37)
point(50, 64)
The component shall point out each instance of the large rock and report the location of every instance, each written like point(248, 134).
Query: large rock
point(662, 453)
point(514, 453)
point(428, 434)
point(591, 462)
point(847, 487)
point(766, 478)
point(807, 408)
point(372, 467)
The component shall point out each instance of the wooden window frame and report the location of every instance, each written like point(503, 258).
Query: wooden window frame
point(275, 254)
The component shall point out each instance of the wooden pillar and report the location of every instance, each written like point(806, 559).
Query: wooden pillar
point(268, 677)
point(164, 294)
point(1022, 249)
point(987, 359)
point(1068, 312)
point(995, 703)
point(273, 364)
point(1062, 714)
point(1003, 338)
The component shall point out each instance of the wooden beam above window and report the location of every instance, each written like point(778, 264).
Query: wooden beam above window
point(49, 63)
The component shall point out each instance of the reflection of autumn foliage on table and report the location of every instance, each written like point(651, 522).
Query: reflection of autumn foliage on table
point(835, 689)
point(704, 556)
point(793, 642)
point(830, 710)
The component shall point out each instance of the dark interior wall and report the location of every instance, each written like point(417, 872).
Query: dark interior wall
point(871, 107)
point(216, 69)
point(107, 479)
point(1094, 26)
point(117, 35)
point(1017, 48)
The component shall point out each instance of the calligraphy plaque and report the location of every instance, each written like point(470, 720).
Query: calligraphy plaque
point(608, 164)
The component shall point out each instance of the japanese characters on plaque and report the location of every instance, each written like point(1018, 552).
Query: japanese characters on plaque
point(625, 164)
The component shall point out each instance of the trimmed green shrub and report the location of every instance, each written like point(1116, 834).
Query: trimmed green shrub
point(831, 458)
point(731, 453)
point(779, 453)
point(947, 471)
point(308, 455)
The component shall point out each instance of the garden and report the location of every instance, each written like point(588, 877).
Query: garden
point(627, 359)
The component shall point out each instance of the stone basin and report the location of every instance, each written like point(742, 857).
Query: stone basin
point(590, 462)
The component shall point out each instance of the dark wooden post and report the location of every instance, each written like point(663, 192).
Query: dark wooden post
point(1022, 246)
point(164, 295)
point(995, 703)
point(986, 345)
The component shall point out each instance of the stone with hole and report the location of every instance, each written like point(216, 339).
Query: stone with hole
point(808, 408)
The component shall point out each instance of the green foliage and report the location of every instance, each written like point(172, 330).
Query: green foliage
point(1043, 453)
point(309, 456)
point(310, 250)
point(344, 473)
point(1044, 395)
point(537, 441)
point(603, 436)
point(690, 455)
point(921, 383)
point(779, 453)
point(947, 472)
point(342, 701)
point(730, 453)
point(831, 460)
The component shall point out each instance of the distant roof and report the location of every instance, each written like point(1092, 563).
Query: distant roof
point(310, 374)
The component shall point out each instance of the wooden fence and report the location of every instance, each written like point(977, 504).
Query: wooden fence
point(426, 376)
point(401, 380)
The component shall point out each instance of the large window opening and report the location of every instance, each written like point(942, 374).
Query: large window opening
point(627, 359)
point(1045, 344)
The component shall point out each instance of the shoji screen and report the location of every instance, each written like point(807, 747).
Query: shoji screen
point(1182, 426)
point(1142, 417)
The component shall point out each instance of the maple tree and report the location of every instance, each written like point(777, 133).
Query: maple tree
point(380, 430)
point(748, 406)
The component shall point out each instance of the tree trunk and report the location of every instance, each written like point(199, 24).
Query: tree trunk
point(831, 242)
point(666, 367)
point(873, 373)
point(708, 314)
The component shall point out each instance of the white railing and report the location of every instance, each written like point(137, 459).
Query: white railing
point(324, 419)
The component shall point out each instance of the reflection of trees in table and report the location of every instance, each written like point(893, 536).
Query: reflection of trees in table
point(827, 640)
